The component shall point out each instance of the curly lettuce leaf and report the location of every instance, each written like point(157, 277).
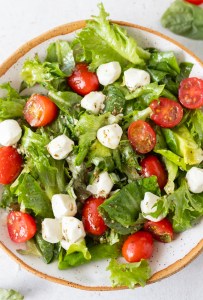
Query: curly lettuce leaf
point(61, 52)
point(104, 42)
point(122, 210)
point(97, 252)
point(129, 274)
point(184, 19)
point(10, 295)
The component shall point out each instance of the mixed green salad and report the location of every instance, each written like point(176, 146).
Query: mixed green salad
point(108, 158)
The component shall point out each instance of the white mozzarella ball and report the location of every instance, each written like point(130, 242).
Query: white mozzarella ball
point(72, 229)
point(101, 186)
point(110, 135)
point(51, 230)
point(63, 205)
point(194, 179)
point(93, 102)
point(147, 207)
point(108, 73)
point(60, 147)
point(135, 78)
point(10, 132)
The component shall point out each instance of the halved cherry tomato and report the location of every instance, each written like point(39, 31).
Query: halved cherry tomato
point(93, 222)
point(166, 113)
point(196, 2)
point(142, 136)
point(191, 92)
point(40, 110)
point(151, 165)
point(138, 246)
point(10, 164)
point(21, 226)
point(82, 81)
point(161, 231)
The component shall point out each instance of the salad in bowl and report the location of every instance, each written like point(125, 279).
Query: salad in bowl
point(105, 156)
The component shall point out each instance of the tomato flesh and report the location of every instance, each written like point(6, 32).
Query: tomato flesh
point(151, 165)
point(93, 222)
point(138, 246)
point(190, 92)
point(21, 226)
point(10, 164)
point(196, 2)
point(166, 113)
point(161, 231)
point(141, 136)
point(40, 110)
point(82, 81)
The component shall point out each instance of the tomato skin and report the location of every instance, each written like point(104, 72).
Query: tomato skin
point(10, 164)
point(161, 231)
point(138, 246)
point(82, 81)
point(151, 165)
point(93, 222)
point(21, 226)
point(166, 113)
point(40, 110)
point(141, 136)
point(196, 2)
point(190, 92)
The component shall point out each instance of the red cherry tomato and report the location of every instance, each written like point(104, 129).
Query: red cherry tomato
point(191, 92)
point(93, 222)
point(196, 2)
point(21, 226)
point(82, 81)
point(166, 113)
point(138, 246)
point(142, 136)
point(161, 231)
point(40, 110)
point(10, 164)
point(151, 165)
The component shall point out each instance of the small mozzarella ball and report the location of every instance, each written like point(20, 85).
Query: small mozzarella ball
point(108, 73)
point(63, 205)
point(147, 207)
point(72, 229)
point(10, 132)
point(51, 230)
point(194, 179)
point(135, 78)
point(110, 135)
point(60, 147)
point(101, 186)
point(93, 102)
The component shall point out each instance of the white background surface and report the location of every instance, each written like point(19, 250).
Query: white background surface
point(23, 20)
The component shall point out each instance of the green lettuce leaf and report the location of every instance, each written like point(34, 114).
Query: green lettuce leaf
point(195, 125)
point(184, 19)
point(97, 252)
point(165, 62)
point(79, 247)
point(172, 170)
point(104, 42)
point(115, 99)
point(46, 248)
point(60, 52)
point(31, 249)
point(122, 210)
point(129, 274)
point(136, 115)
point(174, 158)
point(7, 197)
point(10, 295)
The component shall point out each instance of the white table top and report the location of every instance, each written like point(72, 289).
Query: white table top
point(23, 20)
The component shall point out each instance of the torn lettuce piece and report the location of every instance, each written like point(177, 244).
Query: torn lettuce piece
point(86, 130)
point(181, 142)
point(129, 274)
point(46, 248)
point(10, 295)
point(104, 42)
point(7, 197)
point(97, 252)
point(125, 216)
point(79, 247)
point(195, 125)
point(31, 249)
point(172, 170)
point(174, 158)
point(136, 115)
point(32, 197)
point(61, 52)
point(11, 106)
point(115, 99)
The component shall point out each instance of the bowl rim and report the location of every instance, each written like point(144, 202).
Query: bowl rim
point(6, 65)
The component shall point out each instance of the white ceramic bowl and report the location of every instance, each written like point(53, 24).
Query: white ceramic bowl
point(167, 258)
